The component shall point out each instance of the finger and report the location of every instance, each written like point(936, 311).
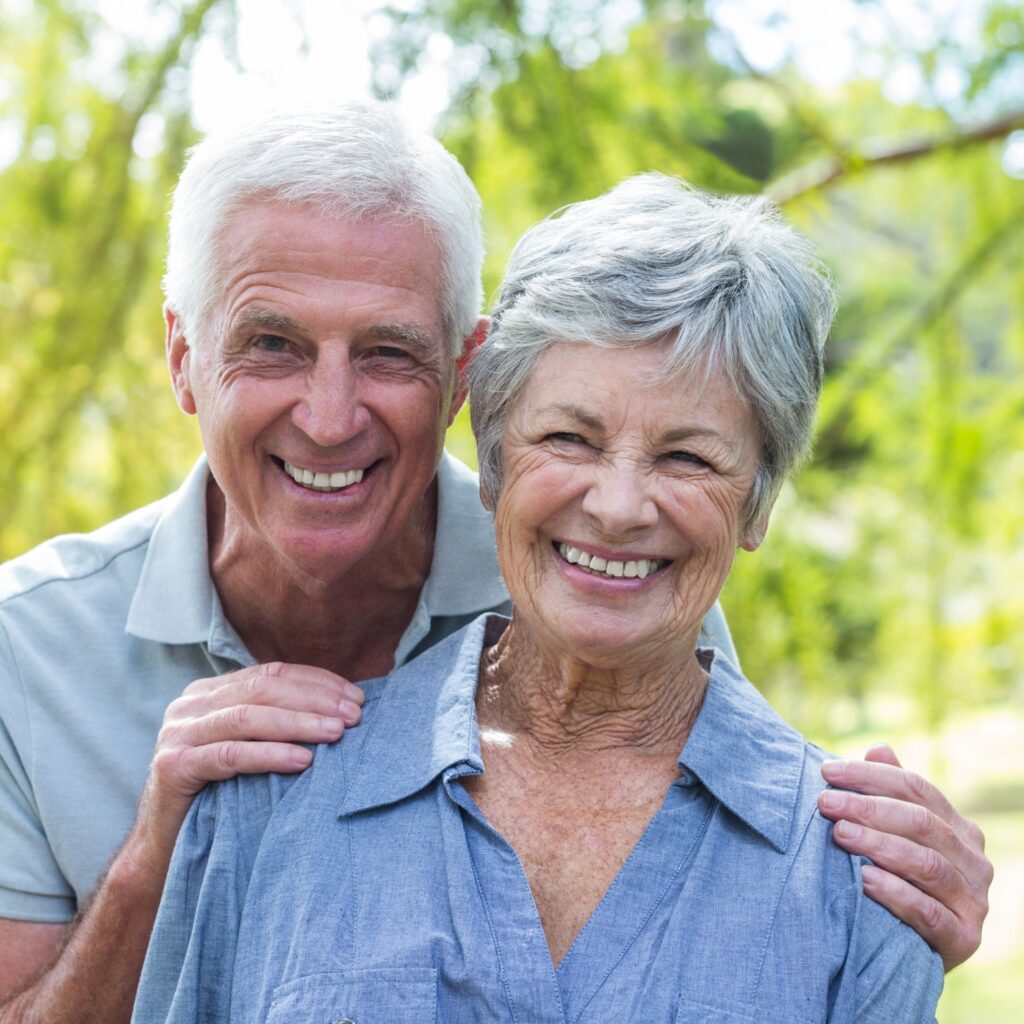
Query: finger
point(932, 872)
point(874, 779)
point(896, 818)
point(293, 690)
point(215, 762)
point(249, 722)
point(937, 925)
point(882, 753)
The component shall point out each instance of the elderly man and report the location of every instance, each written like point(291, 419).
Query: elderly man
point(322, 304)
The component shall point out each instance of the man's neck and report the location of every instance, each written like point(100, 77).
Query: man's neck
point(350, 624)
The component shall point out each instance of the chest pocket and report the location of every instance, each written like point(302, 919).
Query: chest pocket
point(392, 995)
point(690, 1012)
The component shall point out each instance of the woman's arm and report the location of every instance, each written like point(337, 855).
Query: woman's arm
point(931, 870)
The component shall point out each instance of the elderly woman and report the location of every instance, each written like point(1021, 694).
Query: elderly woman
point(570, 815)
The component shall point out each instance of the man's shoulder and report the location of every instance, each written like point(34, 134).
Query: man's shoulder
point(74, 557)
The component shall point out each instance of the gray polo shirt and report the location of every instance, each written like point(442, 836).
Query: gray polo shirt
point(100, 632)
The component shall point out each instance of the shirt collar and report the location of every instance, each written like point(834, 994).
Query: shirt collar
point(463, 547)
point(745, 755)
point(175, 600)
point(425, 721)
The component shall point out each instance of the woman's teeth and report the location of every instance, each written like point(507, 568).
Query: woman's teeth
point(639, 568)
point(323, 481)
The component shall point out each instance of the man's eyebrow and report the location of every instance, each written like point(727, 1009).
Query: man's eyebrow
point(257, 316)
point(410, 334)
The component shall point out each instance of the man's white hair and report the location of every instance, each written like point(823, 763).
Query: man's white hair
point(353, 160)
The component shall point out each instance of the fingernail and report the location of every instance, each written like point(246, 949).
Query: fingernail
point(332, 725)
point(301, 757)
point(831, 799)
point(847, 830)
point(835, 766)
point(349, 712)
point(354, 694)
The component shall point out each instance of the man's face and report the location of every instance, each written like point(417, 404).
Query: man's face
point(322, 386)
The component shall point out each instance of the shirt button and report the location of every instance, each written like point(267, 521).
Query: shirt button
point(343, 1020)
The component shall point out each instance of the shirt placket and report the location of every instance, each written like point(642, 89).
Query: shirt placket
point(526, 968)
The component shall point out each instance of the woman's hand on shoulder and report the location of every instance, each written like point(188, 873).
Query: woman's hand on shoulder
point(930, 868)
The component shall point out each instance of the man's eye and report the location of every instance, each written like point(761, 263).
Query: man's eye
point(271, 343)
point(565, 436)
point(390, 352)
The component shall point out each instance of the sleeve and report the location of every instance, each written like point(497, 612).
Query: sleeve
point(32, 885)
point(891, 976)
point(187, 974)
point(714, 632)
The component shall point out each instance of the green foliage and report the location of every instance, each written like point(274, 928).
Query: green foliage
point(891, 585)
point(88, 430)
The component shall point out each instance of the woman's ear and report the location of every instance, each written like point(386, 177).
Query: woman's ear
point(753, 535)
point(484, 500)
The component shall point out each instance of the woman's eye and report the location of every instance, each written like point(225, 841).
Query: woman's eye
point(688, 457)
point(567, 436)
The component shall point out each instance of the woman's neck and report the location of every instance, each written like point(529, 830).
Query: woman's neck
point(565, 705)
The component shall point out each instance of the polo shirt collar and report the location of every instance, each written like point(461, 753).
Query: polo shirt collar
point(175, 600)
point(745, 755)
point(425, 721)
point(463, 547)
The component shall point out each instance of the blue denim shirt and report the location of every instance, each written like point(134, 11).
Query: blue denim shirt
point(370, 888)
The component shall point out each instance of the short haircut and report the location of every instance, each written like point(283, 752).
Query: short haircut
point(356, 160)
point(722, 279)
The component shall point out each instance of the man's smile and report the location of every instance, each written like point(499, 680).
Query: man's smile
point(320, 481)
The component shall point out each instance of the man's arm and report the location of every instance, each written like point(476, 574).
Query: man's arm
point(245, 722)
point(930, 868)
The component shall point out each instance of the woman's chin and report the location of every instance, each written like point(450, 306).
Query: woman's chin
point(610, 642)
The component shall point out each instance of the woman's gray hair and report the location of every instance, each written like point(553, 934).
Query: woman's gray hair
point(350, 160)
point(723, 279)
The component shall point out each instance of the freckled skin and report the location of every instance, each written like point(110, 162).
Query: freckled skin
point(594, 687)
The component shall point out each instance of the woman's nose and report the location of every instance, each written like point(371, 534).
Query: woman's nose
point(619, 500)
point(332, 409)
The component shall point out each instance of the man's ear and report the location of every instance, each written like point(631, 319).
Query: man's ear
point(469, 347)
point(178, 362)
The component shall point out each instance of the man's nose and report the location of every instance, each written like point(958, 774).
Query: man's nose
point(619, 499)
point(332, 409)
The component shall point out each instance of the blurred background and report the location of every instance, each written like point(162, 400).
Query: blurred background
point(889, 596)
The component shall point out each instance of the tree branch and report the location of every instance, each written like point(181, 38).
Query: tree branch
point(819, 174)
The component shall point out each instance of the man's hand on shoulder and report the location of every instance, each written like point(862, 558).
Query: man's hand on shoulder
point(245, 722)
point(930, 868)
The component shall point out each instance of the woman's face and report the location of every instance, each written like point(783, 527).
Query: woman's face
point(622, 502)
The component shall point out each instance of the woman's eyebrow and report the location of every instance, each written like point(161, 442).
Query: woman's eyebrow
point(574, 412)
point(689, 433)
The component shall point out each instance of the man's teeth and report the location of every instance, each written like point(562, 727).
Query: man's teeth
point(323, 481)
point(639, 568)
